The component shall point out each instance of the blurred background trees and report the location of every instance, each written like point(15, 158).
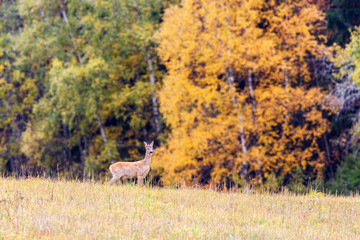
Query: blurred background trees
point(232, 92)
point(242, 68)
point(87, 75)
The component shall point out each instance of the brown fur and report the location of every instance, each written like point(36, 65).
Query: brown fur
point(139, 169)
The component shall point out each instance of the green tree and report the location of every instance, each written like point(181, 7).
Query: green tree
point(17, 91)
point(88, 73)
point(100, 93)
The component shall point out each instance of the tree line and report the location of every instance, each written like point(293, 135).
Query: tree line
point(233, 92)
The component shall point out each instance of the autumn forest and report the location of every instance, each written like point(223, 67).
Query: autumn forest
point(232, 92)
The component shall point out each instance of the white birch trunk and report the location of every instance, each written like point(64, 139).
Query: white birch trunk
point(102, 130)
point(153, 98)
point(231, 81)
point(103, 134)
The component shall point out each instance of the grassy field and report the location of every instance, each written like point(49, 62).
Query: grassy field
point(45, 209)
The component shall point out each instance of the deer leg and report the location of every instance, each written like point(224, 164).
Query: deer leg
point(140, 181)
point(113, 180)
point(120, 180)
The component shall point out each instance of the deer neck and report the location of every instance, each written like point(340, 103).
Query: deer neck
point(147, 158)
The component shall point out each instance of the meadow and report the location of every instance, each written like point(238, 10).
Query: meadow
point(38, 208)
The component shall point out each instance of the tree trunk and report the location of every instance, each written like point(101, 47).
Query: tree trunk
point(66, 20)
point(230, 79)
point(328, 157)
point(251, 91)
point(15, 163)
point(152, 78)
point(286, 114)
point(82, 158)
point(83, 153)
point(86, 154)
point(67, 147)
point(102, 130)
point(154, 100)
point(103, 134)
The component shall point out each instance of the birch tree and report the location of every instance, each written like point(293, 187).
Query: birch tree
point(237, 77)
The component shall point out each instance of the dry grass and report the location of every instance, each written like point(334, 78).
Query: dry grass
point(45, 209)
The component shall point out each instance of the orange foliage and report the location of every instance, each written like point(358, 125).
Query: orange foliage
point(266, 46)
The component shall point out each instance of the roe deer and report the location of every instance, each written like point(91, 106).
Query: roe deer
point(139, 169)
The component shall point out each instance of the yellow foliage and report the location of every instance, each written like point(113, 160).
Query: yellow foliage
point(200, 42)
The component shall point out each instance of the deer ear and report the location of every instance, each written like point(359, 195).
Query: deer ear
point(145, 144)
point(152, 143)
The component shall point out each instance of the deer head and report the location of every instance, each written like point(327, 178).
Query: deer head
point(149, 147)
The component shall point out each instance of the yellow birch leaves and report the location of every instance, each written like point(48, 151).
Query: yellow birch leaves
point(266, 48)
